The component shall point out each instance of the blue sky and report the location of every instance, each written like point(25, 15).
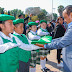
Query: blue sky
point(44, 4)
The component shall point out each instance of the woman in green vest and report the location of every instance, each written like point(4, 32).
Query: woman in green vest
point(24, 55)
point(9, 45)
point(32, 36)
point(43, 32)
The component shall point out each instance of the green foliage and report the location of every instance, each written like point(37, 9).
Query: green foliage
point(41, 16)
point(38, 13)
point(55, 16)
point(1, 10)
point(44, 11)
point(60, 9)
point(16, 12)
point(8, 12)
point(34, 18)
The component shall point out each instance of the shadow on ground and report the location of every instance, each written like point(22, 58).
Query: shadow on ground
point(54, 65)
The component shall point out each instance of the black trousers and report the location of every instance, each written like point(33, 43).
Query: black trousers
point(59, 55)
point(24, 67)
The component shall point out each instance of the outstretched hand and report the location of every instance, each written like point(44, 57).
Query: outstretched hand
point(30, 15)
point(40, 45)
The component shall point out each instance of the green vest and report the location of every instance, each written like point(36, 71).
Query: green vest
point(9, 59)
point(35, 40)
point(23, 54)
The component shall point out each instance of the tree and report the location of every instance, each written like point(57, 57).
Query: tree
point(33, 10)
point(1, 10)
point(55, 16)
point(44, 11)
point(34, 18)
point(42, 16)
point(60, 9)
point(8, 12)
point(5, 12)
point(16, 12)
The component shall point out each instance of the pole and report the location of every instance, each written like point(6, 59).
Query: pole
point(52, 9)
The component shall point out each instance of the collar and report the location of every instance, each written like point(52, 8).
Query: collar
point(43, 29)
point(15, 33)
point(69, 24)
point(6, 37)
point(33, 32)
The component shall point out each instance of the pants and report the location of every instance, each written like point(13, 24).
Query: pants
point(59, 55)
point(23, 67)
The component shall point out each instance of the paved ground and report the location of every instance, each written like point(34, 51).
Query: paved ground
point(51, 64)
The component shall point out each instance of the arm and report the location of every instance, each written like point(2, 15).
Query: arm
point(26, 18)
point(24, 46)
point(33, 37)
point(6, 46)
point(65, 41)
point(40, 33)
point(29, 47)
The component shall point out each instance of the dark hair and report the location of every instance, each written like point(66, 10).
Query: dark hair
point(52, 24)
point(20, 15)
point(29, 30)
point(2, 22)
point(60, 17)
point(68, 9)
point(30, 25)
point(16, 25)
point(0, 29)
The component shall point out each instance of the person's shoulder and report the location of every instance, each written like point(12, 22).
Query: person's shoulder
point(23, 35)
point(59, 25)
point(39, 30)
point(1, 41)
point(0, 38)
point(29, 33)
point(70, 27)
point(14, 35)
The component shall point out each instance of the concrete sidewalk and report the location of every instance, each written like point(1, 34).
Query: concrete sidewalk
point(51, 63)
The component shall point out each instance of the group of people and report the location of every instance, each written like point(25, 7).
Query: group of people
point(17, 54)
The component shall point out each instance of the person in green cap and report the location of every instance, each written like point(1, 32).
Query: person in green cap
point(24, 55)
point(32, 36)
point(43, 32)
point(9, 45)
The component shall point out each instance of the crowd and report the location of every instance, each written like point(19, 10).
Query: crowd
point(17, 54)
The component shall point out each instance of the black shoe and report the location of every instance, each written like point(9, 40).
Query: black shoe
point(47, 69)
point(43, 70)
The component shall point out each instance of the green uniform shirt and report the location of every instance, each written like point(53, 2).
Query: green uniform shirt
point(35, 40)
point(23, 54)
point(9, 59)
